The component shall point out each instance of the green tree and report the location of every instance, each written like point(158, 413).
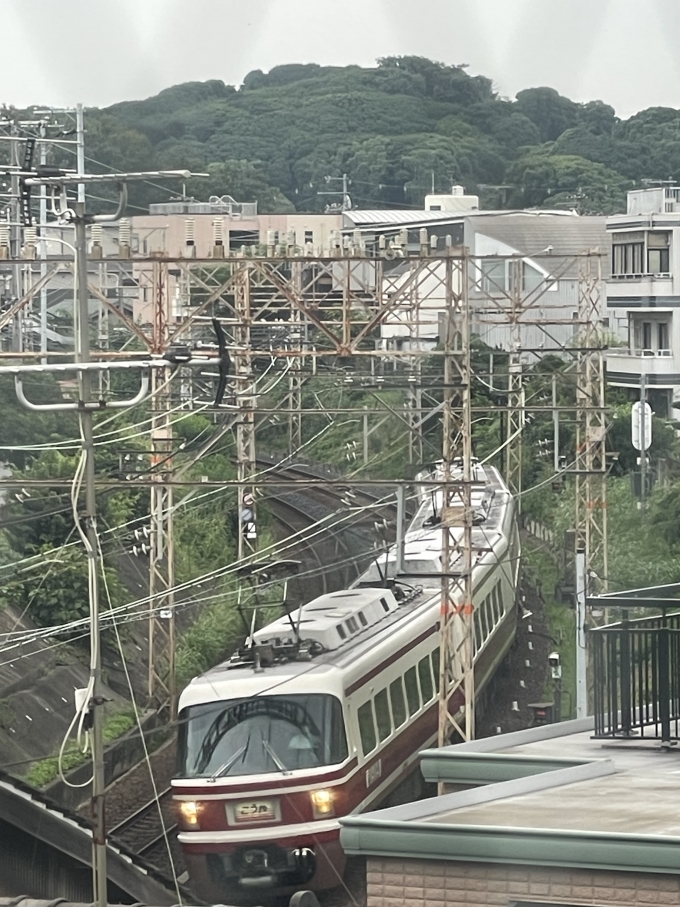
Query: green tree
point(550, 111)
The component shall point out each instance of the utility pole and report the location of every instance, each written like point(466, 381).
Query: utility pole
point(591, 428)
point(346, 202)
point(581, 655)
point(91, 540)
point(644, 442)
point(457, 680)
point(245, 428)
point(516, 415)
point(162, 554)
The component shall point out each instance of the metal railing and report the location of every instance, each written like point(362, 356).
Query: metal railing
point(639, 354)
point(637, 678)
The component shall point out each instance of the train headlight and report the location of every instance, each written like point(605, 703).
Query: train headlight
point(322, 803)
point(190, 812)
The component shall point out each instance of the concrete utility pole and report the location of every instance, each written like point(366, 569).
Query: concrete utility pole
point(91, 540)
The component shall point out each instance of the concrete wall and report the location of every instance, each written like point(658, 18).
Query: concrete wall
point(417, 883)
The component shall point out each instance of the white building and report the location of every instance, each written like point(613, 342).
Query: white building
point(534, 248)
point(643, 295)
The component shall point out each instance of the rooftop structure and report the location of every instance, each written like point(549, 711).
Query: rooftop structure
point(548, 814)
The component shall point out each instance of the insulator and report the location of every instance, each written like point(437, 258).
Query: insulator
point(4, 235)
point(189, 231)
point(356, 238)
point(30, 236)
point(271, 237)
point(291, 238)
point(218, 231)
point(423, 236)
point(124, 232)
point(97, 233)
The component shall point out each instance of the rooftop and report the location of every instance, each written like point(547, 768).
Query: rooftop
point(547, 796)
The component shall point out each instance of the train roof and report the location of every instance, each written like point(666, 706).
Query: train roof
point(336, 633)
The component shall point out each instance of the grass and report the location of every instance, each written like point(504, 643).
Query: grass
point(46, 770)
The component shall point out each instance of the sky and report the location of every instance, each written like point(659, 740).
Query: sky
point(98, 52)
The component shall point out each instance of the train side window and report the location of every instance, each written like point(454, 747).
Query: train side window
point(483, 620)
point(412, 694)
point(382, 715)
point(499, 599)
point(366, 727)
point(425, 675)
point(478, 631)
point(435, 667)
point(398, 704)
point(488, 615)
point(362, 619)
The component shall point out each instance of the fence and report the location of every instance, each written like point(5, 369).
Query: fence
point(637, 678)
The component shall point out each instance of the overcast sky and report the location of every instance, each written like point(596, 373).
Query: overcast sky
point(625, 52)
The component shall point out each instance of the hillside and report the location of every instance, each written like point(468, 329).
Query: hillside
point(394, 129)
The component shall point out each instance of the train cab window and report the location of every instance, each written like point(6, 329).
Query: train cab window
point(382, 715)
point(412, 694)
point(260, 734)
point(398, 703)
point(366, 727)
point(425, 675)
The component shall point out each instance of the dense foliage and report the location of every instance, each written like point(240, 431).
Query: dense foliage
point(395, 129)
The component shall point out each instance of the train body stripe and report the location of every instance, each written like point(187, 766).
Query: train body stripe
point(267, 833)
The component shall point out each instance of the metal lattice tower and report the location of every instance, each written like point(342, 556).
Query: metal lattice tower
point(457, 683)
point(161, 556)
point(516, 414)
point(591, 415)
point(245, 398)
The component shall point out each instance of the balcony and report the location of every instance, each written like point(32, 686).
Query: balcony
point(660, 367)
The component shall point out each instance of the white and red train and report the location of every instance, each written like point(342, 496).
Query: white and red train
point(325, 711)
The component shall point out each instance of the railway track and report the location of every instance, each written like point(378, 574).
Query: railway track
point(144, 829)
point(337, 553)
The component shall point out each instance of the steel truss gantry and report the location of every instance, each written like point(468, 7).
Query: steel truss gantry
point(592, 419)
point(360, 318)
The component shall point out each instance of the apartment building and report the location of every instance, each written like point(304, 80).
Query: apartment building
point(643, 295)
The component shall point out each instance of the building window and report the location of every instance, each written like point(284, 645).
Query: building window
point(628, 253)
point(657, 253)
point(646, 335)
point(493, 276)
point(662, 335)
point(309, 236)
point(640, 253)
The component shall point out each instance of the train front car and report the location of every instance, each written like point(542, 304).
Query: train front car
point(323, 712)
point(262, 757)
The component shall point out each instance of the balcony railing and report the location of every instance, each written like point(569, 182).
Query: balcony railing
point(658, 275)
point(639, 354)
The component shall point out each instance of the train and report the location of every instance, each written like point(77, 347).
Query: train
point(324, 710)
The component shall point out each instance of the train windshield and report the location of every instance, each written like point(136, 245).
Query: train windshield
point(263, 734)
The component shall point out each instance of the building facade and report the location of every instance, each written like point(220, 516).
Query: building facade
point(537, 817)
point(643, 295)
